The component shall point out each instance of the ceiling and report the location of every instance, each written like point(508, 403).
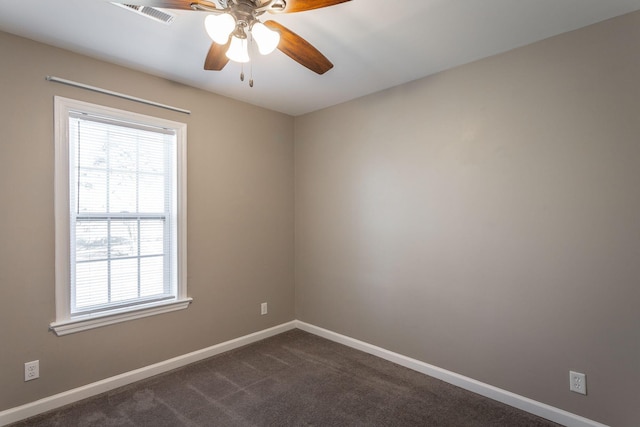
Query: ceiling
point(373, 44)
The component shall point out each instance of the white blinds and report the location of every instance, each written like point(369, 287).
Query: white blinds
point(123, 213)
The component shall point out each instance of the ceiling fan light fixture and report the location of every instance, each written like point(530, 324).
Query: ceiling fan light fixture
point(238, 50)
point(266, 38)
point(219, 27)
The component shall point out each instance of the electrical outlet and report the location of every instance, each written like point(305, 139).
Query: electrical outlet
point(577, 382)
point(32, 370)
point(263, 308)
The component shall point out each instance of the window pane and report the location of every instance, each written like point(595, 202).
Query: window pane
point(124, 279)
point(152, 154)
point(124, 238)
point(92, 152)
point(91, 191)
point(91, 240)
point(151, 237)
point(123, 154)
point(151, 276)
point(152, 198)
point(122, 192)
point(92, 284)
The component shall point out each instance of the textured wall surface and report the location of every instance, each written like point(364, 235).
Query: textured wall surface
point(486, 220)
point(240, 223)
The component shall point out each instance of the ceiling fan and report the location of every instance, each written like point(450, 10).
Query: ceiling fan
point(234, 24)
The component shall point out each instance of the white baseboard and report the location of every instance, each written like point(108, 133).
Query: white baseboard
point(65, 398)
point(533, 407)
point(56, 401)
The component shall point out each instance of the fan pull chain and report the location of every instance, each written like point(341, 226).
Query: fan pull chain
point(251, 74)
point(251, 62)
point(241, 72)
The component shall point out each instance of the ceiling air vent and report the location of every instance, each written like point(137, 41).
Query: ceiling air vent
point(149, 12)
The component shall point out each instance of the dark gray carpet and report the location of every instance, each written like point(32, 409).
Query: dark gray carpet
point(293, 379)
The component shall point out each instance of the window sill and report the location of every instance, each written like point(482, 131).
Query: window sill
point(84, 323)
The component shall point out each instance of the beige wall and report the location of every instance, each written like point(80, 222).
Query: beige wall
point(487, 220)
point(240, 223)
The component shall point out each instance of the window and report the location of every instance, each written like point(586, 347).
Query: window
point(120, 205)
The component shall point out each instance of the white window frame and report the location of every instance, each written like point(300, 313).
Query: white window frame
point(65, 323)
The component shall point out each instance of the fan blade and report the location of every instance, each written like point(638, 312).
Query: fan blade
point(300, 50)
point(302, 5)
point(216, 58)
point(167, 4)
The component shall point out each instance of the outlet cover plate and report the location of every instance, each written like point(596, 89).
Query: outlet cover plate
point(32, 370)
point(577, 382)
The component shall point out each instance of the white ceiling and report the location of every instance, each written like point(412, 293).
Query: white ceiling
point(374, 44)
